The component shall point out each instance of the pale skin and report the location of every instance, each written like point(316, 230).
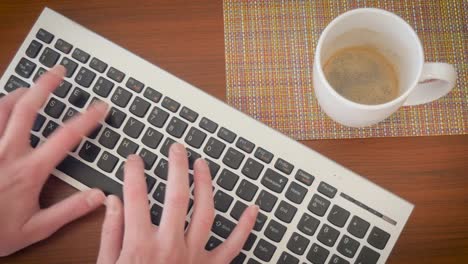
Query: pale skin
point(128, 235)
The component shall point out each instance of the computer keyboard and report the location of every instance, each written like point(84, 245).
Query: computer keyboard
point(312, 210)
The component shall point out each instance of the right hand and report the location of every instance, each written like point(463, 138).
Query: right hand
point(138, 241)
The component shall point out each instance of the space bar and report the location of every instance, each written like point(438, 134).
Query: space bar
point(89, 176)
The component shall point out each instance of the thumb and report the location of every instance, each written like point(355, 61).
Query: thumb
point(112, 232)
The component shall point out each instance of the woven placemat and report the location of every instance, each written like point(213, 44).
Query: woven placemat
point(270, 46)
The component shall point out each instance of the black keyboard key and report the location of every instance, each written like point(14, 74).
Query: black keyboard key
point(263, 155)
point(214, 148)
point(33, 49)
point(195, 137)
point(109, 138)
point(103, 87)
point(25, 68)
point(89, 176)
point(176, 127)
point(233, 158)
point(317, 254)
point(139, 107)
point(98, 65)
point(287, 258)
point(304, 177)
point(208, 125)
point(89, 151)
point(222, 226)
point(133, 127)
point(54, 108)
point(121, 97)
point(192, 157)
point(49, 57)
point(170, 104)
point(252, 169)
point(33, 140)
point(335, 259)
point(14, 83)
point(378, 238)
point(266, 201)
point(45, 36)
point(275, 231)
point(2, 95)
point(160, 192)
point(239, 259)
point(70, 113)
point(63, 89)
point(328, 235)
point(148, 158)
point(50, 128)
point(85, 77)
point(214, 168)
point(246, 190)
point(367, 256)
point(69, 65)
point(318, 205)
point(285, 212)
point(308, 224)
point(115, 74)
point(152, 138)
point(152, 94)
point(107, 162)
point(158, 117)
point(212, 243)
point(348, 246)
point(166, 145)
point(227, 180)
point(245, 145)
point(338, 216)
point(298, 243)
point(188, 114)
point(284, 166)
point(95, 132)
point(150, 182)
point(156, 214)
point(115, 117)
point(63, 46)
point(327, 190)
point(161, 169)
point(127, 147)
point(134, 85)
point(78, 97)
point(296, 193)
point(39, 73)
point(80, 55)
point(249, 242)
point(227, 135)
point(264, 250)
point(274, 181)
point(238, 209)
point(358, 227)
point(222, 201)
point(38, 122)
point(260, 221)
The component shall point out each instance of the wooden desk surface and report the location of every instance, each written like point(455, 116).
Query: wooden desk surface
point(186, 38)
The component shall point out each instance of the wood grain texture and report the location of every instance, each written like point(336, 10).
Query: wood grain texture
point(186, 38)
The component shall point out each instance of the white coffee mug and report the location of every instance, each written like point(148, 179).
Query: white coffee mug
point(419, 82)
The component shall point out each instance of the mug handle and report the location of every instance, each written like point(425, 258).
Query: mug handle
point(437, 79)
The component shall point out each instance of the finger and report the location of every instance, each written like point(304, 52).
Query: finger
point(22, 118)
point(231, 247)
point(137, 218)
point(177, 194)
point(203, 214)
point(47, 221)
point(55, 149)
point(112, 232)
point(7, 104)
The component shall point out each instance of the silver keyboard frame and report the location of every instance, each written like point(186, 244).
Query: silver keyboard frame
point(206, 105)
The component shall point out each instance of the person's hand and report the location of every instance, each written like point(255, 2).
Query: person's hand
point(23, 171)
point(138, 241)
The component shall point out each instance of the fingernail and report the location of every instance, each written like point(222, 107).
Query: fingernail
point(177, 148)
point(101, 107)
point(58, 70)
point(256, 208)
point(95, 198)
point(112, 204)
point(133, 157)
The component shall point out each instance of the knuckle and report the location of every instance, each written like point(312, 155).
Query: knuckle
point(178, 200)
